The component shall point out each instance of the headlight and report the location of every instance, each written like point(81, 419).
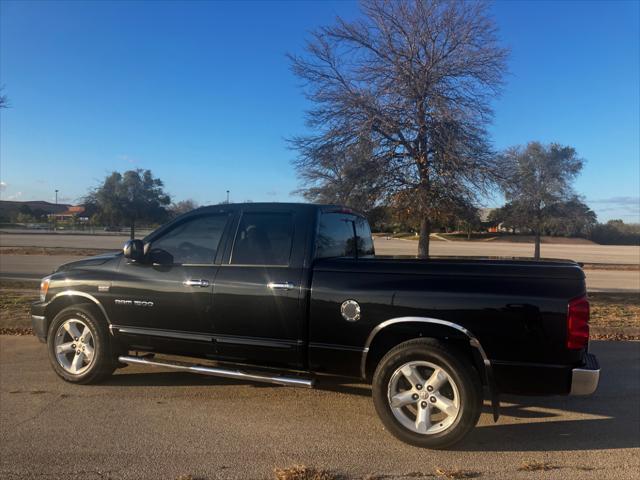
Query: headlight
point(44, 287)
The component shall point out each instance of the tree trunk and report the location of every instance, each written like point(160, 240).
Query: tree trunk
point(423, 242)
point(536, 253)
point(469, 232)
point(133, 229)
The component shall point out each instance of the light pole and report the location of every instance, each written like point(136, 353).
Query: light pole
point(227, 196)
point(55, 214)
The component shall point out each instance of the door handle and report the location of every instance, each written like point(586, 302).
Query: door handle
point(281, 285)
point(196, 283)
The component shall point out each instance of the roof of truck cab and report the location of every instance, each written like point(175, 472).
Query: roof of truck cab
point(276, 205)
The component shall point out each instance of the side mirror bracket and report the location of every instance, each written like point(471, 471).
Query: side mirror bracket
point(133, 250)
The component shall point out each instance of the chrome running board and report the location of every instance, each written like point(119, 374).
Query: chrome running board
point(221, 372)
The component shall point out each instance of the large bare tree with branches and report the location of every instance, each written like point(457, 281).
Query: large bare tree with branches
point(416, 78)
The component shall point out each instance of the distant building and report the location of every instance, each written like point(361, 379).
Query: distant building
point(74, 212)
point(487, 224)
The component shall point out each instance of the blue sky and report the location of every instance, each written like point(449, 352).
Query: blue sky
point(202, 94)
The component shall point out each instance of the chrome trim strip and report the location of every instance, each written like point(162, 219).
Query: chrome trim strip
point(333, 346)
point(222, 372)
point(37, 317)
point(77, 293)
point(472, 339)
point(155, 332)
point(280, 286)
point(231, 340)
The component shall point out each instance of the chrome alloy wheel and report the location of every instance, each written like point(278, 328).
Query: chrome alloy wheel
point(423, 397)
point(74, 346)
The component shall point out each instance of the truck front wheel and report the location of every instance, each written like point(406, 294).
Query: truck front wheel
point(426, 395)
point(79, 345)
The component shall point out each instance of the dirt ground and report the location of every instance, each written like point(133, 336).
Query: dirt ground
point(613, 315)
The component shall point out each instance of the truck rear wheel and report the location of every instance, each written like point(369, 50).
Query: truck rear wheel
point(426, 395)
point(79, 345)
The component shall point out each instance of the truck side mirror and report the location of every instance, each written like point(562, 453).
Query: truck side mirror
point(133, 250)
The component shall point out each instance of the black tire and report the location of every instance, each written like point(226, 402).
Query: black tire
point(103, 361)
point(459, 370)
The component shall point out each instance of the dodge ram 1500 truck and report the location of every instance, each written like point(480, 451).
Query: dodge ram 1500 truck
point(287, 293)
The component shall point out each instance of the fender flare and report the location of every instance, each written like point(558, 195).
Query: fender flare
point(77, 293)
point(473, 342)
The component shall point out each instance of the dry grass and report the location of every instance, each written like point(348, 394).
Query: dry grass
point(536, 466)
point(611, 266)
point(14, 308)
point(83, 252)
point(456, 474)
point(302, 472)
point(615, 309)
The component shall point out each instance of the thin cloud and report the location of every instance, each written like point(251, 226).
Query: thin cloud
point(127, 158)
point(619, 201)
point(3, 186)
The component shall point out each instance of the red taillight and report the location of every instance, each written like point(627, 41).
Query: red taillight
point(578, 323)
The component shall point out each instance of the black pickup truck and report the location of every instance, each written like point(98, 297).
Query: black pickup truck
point(288, 293)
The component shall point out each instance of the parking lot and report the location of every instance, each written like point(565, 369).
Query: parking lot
point(154, 424)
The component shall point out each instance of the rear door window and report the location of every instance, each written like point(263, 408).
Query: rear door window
point(263, 239)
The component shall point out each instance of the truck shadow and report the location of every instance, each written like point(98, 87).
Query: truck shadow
point(575, 426)
point(609, 419)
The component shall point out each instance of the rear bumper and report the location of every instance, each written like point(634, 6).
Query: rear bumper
point(584, 380)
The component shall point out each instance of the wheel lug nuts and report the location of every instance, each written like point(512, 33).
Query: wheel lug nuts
point(423, 404)
point(429, 388)
point(415, 396)
point(419, 387)
point(76, 339)
point(73, 345)
point(432, 399)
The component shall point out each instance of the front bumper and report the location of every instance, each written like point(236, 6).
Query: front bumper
point(584, 380)
point(39, 322)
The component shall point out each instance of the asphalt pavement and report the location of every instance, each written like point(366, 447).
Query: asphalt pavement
point(153, 424)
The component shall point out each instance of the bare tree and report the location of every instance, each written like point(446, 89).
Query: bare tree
point(416, 77)
point(340, 175)
point(537, 180)
point(183, 206)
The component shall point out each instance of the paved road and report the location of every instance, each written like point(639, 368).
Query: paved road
point(37, 266)
point(114, 241)
point(151, 424)
point(580, 253)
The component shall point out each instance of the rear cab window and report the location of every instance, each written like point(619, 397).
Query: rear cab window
point(343, 235)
